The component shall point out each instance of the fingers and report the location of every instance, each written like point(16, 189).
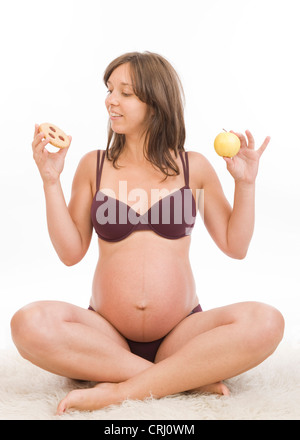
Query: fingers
point(63, 152)
point(251, 143)
point(36, 130)
point(228, 160)
point(39, 143)
point(264, 145)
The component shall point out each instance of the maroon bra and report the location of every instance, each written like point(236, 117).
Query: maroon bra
point(172, 217)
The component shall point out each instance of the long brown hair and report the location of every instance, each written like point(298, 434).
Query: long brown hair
point(156, 83)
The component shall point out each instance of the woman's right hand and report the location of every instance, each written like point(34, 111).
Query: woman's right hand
point(50, 165)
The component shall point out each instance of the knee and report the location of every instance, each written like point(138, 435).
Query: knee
point(29, 327)
point(266, 327)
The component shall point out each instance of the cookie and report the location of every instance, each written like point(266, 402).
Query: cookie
point(57, 137)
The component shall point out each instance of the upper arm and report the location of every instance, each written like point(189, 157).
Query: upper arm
point(82, 196)
point(216, 209)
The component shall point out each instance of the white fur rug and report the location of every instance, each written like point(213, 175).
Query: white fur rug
point(269, 391)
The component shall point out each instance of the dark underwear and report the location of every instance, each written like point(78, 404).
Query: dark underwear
point(148, 350)
point(107, 211)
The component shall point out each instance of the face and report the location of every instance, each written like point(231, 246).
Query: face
point(126, 111)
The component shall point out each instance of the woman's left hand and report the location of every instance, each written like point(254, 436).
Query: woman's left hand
point(244, 166)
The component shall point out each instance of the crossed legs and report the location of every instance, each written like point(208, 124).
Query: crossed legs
point(204, 348)
point(73, 342)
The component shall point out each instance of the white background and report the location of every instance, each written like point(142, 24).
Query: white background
point(238, 61)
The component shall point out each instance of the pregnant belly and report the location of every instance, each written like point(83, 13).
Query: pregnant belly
point(144, 295)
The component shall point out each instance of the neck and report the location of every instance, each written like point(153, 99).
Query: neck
point(133, 152)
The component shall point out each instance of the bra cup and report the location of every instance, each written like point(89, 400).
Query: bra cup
point(171, 217)
point(109, 219)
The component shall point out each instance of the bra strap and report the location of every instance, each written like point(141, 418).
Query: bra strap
point(185, 164)
point(99, 169)
point(187, 168)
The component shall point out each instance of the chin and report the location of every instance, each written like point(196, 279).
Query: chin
point(117, 131)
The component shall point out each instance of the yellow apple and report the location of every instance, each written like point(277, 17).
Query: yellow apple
point(227, 144)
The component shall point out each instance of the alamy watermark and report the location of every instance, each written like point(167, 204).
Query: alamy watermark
point(163, 203)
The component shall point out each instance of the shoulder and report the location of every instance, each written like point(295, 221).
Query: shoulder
point(87, 167)
point(88, 162)
point(201, 170)
point(89, 159)
point(197, 159)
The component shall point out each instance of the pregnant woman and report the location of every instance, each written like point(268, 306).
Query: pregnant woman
point(143, 332)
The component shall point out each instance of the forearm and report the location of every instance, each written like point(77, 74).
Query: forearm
point(64, 234)
point(241, 222)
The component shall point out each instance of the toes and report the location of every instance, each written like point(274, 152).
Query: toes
point(224, 390)
point(62, 406)
point(216, 388)
point(67, 402)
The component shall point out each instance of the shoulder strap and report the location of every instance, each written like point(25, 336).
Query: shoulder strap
point(185, 164)
point(99, 169)
point(187, 168)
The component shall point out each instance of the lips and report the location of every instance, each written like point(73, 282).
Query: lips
point(113, 114)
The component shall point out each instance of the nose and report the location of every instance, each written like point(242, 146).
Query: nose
point(112, 100)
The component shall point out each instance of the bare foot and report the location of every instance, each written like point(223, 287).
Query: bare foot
point(105, 394)
point(214, 388)
point(89, 399)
